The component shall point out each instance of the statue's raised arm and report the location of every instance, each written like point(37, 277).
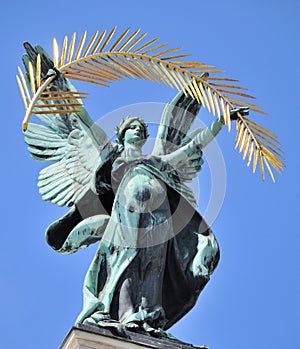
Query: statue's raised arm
point(182, 149)
point(68, 137)
point(54, 98)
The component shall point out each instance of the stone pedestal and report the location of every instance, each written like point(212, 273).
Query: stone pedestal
point(93, 337)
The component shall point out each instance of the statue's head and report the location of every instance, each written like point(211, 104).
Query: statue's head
point(139, 131)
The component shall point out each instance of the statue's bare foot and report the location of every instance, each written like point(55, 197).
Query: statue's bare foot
point(96, 317)
point(89, 321)
point(131, 326)
point(151, 331)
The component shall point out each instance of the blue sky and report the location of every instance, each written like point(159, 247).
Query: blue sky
point(253, 296)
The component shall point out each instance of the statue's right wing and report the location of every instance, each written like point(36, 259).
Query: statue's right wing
point(176, 121)
point(74, 155)
point(69, 139)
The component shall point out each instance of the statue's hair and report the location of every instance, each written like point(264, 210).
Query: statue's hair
point(125, 125)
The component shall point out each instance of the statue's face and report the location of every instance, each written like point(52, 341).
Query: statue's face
point(134, 134)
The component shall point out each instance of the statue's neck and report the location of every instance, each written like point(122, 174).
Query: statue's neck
point(132, 150)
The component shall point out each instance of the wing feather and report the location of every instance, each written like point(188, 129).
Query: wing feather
point(41, 132)
point(53, 188)
point(48, 152)
point(63, 197)
point(51, 170)
point(55, 177)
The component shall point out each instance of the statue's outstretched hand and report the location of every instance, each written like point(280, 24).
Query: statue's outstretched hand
point(243, 111)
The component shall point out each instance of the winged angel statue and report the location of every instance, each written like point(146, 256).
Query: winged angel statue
point(156, 252)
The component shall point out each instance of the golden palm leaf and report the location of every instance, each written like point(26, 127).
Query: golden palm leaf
point(103, 60)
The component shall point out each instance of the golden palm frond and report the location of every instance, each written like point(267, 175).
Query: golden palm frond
point(130, 57)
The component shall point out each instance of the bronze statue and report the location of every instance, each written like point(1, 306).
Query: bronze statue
point(156, 252)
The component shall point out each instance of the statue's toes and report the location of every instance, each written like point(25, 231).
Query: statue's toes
point(89, 321)
point(131, 326)
point(151, 331)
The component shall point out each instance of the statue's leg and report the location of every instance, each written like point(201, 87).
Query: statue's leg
point(139, 294)
point(153, 261)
